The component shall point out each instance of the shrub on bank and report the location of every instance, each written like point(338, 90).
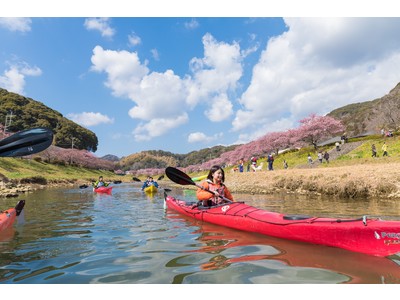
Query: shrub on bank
point(34, 180)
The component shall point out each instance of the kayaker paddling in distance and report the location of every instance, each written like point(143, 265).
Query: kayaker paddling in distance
point(100, 183)
point(214, 188)
point(150, 181)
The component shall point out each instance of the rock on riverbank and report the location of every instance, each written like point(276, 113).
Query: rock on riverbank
point(10, 189)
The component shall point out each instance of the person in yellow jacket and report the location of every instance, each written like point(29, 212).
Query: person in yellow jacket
point(214, 188)
point(384, 149)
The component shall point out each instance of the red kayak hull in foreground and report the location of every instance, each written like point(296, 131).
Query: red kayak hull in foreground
point(103, 189)
point(370, 236)
point(7, 217)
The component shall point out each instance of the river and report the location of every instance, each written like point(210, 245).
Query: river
point(75, 236)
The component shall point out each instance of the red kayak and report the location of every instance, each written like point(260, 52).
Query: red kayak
point(365, 235)
point(7, 217)
point(103, 189)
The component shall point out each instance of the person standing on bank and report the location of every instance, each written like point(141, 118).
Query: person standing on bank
point(326, 156)
point(384, 149)
point(214, 188)
point(270, 160)
point(373, 149)
point(241, 166)
point(320, 156)
point(285, 164)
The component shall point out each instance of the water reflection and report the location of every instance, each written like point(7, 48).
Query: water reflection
point(77, 236)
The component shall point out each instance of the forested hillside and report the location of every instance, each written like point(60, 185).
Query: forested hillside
point(161, 159)
point(28, 113)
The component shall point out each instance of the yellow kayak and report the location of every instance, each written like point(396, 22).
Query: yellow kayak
point(151, 189)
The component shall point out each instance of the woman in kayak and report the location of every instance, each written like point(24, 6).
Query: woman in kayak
point(214, 188)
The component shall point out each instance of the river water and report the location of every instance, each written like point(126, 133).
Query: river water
point(77, 236)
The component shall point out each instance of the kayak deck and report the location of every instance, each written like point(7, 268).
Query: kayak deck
point(370, 236)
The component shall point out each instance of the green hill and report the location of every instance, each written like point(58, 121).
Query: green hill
point(27, 113)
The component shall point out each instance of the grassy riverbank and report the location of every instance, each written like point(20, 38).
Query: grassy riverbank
point(21, 175)
point(18, 169)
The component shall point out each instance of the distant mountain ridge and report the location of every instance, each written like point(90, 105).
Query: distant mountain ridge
point(162, 159)
point(110, 157)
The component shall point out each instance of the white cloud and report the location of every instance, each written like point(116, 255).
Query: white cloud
point(100, 24)
point(163, 99)
point(123, 68)
point(218, 72)
point(160, 95)
point(155, 54)
point(320, 64)
point(200, 137)
point(16, 24)
point(193, 24)
point(134, 39)
point(158, 127)
point(88, 119)
point(13, 79)
point(220, 109)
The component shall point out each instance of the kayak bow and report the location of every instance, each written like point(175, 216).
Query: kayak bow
point(7, 217)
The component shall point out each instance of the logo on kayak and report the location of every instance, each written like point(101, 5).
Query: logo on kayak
point(225, 208)
point(390, 235)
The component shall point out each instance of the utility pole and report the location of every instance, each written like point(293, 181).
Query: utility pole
point(72, 147)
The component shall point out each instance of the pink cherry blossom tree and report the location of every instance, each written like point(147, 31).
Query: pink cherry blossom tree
point(314, 129)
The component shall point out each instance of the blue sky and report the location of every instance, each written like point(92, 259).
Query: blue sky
point(186, 83)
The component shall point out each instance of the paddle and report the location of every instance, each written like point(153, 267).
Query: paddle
point(182, 178)
point(26, 142)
